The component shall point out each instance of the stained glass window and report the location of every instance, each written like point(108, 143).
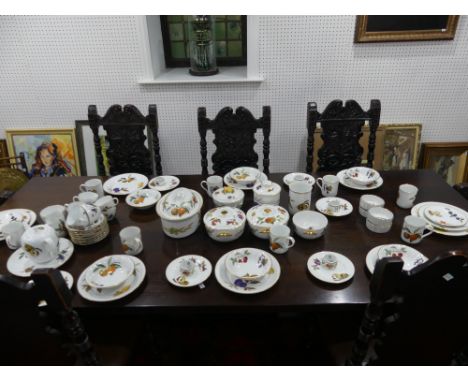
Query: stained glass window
point(230, 35)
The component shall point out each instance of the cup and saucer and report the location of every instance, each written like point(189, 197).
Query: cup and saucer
point(188, 271)
point(330, 267)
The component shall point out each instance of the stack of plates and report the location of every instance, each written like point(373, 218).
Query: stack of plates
point(443, 218)
point(360, 178)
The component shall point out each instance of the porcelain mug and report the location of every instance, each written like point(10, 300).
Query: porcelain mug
point(130, 238)
point(40, 243)
point(108, 206)
point(82, 215)
point(413, 230)
point(329, 185)
point(13, 232)
point(93, 185)
point(406, 195)
point(55, 217)
point(280, 241)
point(211, 184)
point(299, 196)
point(88, 197)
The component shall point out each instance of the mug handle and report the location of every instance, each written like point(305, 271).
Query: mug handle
point(291, 241)
point(76, 199)
point(82, 188)
point(204, 185)
point(116, 201)
point(427, 234)
point(317, 183)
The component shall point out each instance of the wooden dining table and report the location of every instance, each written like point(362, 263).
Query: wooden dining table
point(296, 290)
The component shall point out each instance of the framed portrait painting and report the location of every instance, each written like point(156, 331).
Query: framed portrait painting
point(401, 146)
point(448, 159)
point(48, 152)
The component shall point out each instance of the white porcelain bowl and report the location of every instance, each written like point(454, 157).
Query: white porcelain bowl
point(224, 223)
point(309, 224)
point(248, 263)
point(245, 176)
point(362, 175)
point(143, 199)
point(110, 271)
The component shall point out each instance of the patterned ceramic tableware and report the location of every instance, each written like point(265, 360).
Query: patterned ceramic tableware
point(130, 237)
point(108, 206)
point(245, 176)
point(93, 185)
point(395, 250)
point(164, 183)
point(309, 224)
point(418, 210)
point(224, 223)
point(143, 199)
point(40, 243)
point(91, 293)
point(298, 177)
point(444, 216)
point(330, 267)
point(55, 217)
point(249, 186)
point(86, 197)
point(248, 263)
point(362, 176)
point(379, 220)
point(262, 217)
point(328, 185)
point(81, 215)
point(406, 195)
point(177, 275)
point(368, 201)
point(241, 286)
point(300, 195)
point(267, 193)
point(13, 232)
point(109, 271)
point(346, 181)
point(280, 239)
point(228, 196)
point(179, 211)
point(333, 206)
point(125, 184)
point(19, 264)
point(413, 229)
point(211, 184)
point(27, 217)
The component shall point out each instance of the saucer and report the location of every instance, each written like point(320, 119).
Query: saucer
point(125, 184)
point(373, 256)
point(289, 178)
point(230, 182)
point(170, 183)
point(20, 265)
point(343, 272)
point(104, 295)
point(27, 217)
point(247, 287)
point(346, 181)
point(345, 207)
point(201, 271)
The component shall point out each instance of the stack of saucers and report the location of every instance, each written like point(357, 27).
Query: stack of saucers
point(362, 176)
point(443, 218)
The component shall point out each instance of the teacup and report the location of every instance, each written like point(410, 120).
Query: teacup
point(280, 241)
point(40, 243)
point(211, 184)
point(299, 196)
point(413, 230)
point(81, 215)
point(13, 232)
point(87, 197)
point(186, 266)
point(130, 238)
point(334, 205)
point(329, 261)
point(406, 195)
point(328, 185)
point(55, 217)
point(108, 206)
point(93, 185)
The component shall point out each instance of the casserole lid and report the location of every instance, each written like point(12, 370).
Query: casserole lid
point(266, 215)
point(267, 188)
point(228, 194)
point(224, 218)
point(179, 204)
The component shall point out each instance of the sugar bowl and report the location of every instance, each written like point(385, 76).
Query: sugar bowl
point(267, 193)
point(379, 220)
point(228, 196)
point(262, 217)
point(224, 223)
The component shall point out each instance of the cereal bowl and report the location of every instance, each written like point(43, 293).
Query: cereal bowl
point(143, 199)
point(309, 224)
point(362, 175)
point(110, 271)
point(245, 176)
point(248, 263)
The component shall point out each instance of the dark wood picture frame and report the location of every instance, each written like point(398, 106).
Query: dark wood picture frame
point(363, 34)
point(3, 148)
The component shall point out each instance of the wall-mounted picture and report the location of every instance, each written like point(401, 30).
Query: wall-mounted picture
point(48, 152)
point(385, 28)
point(447, 159)
point(401, 146)
point(3, 148)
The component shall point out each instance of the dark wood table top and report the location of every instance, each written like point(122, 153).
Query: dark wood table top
point(296, 289)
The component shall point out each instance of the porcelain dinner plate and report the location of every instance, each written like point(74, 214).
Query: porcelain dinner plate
point(343, 272)
point(27, 217)
point(164, 183)
point(247, 287)
point(19, 264)
point(409, 255)
point(104, 295)
point(346, 181)
point(200, 273)
point(289, 178)
point(230, 182)
point(345, 207)
point(418, 210)
point(445, 216)
point(125, 184)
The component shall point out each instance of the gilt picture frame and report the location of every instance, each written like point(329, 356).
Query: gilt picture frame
point(401, 143)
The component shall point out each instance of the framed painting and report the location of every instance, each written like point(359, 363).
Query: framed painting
point(401, 146)
point(3, 148)
point(48, 152)
point(447, 159)
point(384, 28)
point(87, 151)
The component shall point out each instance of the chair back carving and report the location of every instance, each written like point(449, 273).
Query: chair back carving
point(234, 134)
point(16, 163)
point(125, 133)
point(341, 130)
point(39, 336)
point(417, 317)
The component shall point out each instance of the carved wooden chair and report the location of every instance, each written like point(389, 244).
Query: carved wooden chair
point(13, 175)
point(417, 317)
point(125, 134)
point(341, 131)
point(462, 188)
point(234, 134)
